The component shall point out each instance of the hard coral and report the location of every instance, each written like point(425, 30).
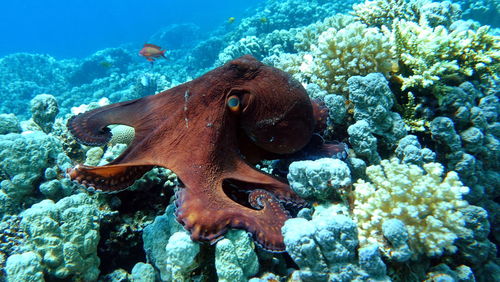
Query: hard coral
point(384, 12)
point(122, 134)
point(235, 258)
point(430, 53)
point(372, 100)
point(169, 248)
point(320, 179)
point(23, 159)
point(322, 245)
point(340, 54)
point(44, 109)
point(65, 235)
point(430, 206)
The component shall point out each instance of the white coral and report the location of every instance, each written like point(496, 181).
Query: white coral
point(429, 206)
point(339, 54)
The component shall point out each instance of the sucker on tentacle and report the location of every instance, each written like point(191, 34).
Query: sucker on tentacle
point(82, 135)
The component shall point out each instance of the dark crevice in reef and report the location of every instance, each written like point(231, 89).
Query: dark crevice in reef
point(121, 244)
point(206, 263)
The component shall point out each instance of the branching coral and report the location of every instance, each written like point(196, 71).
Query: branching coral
point(384, 12)
point(342, 53)
point(430, 53)
point(429, 206)
point(308, 35)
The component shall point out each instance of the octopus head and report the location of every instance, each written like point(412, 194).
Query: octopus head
point(274, 109)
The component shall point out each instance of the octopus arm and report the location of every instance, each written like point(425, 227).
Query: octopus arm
point(90, 128)
point(258, 179)
point(210, 222)
point(109, 178)
point(241, 198)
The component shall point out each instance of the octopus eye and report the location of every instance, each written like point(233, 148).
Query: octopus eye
point(233, 102)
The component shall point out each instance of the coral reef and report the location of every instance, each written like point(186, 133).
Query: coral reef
point(341, 53)
point(425, 12)
point(269, 45)
point(100, 64)
point(169, 248)
point(484, 11)
point(443, 272)
point(235, 258)
point(429, 206)
point(372, 100)
point(24, 159)
point(180, 256)
point(64, 236)
point(336, 104)
point(324, 248)
point(383, 69)
point(319, 180)
point(9, 124)
point(409, 150)
point(24, 267)
point(44, 110)
point(475, 248)
point(177, 36)
point(468, 142)
point(122, 134)
point(395, 232)
point(431, 53)
point(363, 142)
point(11, 240)
point(28, 74)
point(279, 15)
point(143, 272)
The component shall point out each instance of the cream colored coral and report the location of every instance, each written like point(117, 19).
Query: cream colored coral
point(341, 53)
point(430, 53)
point(122, 134)
point(425, 12)
point(308, 35)
point(383, 12)
point(93, 156)
point(428, 205)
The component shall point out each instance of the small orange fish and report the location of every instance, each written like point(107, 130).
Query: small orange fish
point(152, 52)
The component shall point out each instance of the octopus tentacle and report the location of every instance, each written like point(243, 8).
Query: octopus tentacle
point(90, 128)
point(246, 173)
point(209, 221)
point(320, 113)
point(261, 199)
point(111, 178)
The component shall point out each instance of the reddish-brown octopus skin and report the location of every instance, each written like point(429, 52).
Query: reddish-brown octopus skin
point(191, 130)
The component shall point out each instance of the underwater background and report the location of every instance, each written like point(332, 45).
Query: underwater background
point(412, 87)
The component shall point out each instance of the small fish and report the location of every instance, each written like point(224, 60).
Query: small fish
point(106, 64)
point(231, 20)
point(263, 20)
point(152, 52)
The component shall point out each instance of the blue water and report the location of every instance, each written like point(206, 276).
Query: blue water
point(66, 29)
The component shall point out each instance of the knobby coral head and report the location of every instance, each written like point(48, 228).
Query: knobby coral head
point(210, 131)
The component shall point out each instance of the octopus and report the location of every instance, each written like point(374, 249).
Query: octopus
point(211, 131)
